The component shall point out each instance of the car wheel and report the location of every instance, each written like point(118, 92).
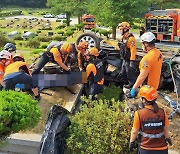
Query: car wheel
point(91, 38)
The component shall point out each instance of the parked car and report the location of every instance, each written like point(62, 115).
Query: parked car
point(48, 15)
point(28, 35)
point(61, 16)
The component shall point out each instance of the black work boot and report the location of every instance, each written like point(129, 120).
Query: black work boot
point(38, 97)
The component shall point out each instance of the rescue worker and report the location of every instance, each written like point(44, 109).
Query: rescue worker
point(18, 73)
point(151, 124)
point(3, 63)
point(56, 53)
point(95, 72)
point(150, 65)
point(9, 49)
point(82, 55)
point(128, 55)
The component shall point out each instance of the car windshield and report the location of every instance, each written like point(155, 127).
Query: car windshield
point(90, 19)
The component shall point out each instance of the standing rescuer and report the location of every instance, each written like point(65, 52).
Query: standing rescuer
point(82, 55)
point(128, 54)
point(95, 72)
point(151, 122)
point(18, 73)
point(55, 54)
point(150, 65)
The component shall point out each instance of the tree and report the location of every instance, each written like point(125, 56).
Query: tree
point(111, 12)
point(70, 7)
point(163, 4)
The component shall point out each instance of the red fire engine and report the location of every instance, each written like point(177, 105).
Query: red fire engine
point(89, 21)
point(165, 24)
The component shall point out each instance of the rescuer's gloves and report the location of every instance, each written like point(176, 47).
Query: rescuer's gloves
point(133, 93)
point(131, 146)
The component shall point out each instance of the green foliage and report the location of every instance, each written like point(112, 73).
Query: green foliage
point(18, 37)
point(99, 129)
point(3, 40)
point(69, 32)
point(79, 26)
point(58, 20)
point(33, 43)
point(61, 32)
point(37, 51)
point(105, 32)
point(112, 92)
point(18, 111)
point(43, 46)
point(66, 21)
point(38, 31)
point(61, 26)
point(72, 28)
point(44, 38)
point(10, 13)
point(45, 28)
point(95, 30)
point(57, 37)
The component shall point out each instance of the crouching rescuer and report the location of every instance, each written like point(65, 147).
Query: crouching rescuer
point(95, 72)
point(18, 73)
point(150, 125)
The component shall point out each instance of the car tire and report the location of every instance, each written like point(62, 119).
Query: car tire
point(91, 38)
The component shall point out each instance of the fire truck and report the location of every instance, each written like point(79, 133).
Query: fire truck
point(89, 21)
point(165, 24)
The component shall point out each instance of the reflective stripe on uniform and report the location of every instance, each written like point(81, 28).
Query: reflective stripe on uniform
point(152, 136)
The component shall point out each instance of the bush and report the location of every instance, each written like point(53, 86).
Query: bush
point(72, 28)
point(43, 46)
point(18, 111)
point(33, 43)
point(3, 40)
point(112, 92)
point(101, 129)
point(61, 32)
point(69, 32)
point(63, 38)
point(38, 31)
point(57, 37)
point(61, 26)
point(79, 26)
point(58, 20)
point(44, 38)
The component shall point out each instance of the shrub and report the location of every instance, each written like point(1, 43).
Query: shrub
point(57, 37)
point(63, 38)
point(72, 28)
point(58, 20)
point(69, 32)
point(43, 46)
point(3, 40)
point(18, 111)
point(38, 31)
point(44, 38)
point(61, 26)
point(79, 26)
point(105, 32)
point(33, 43)
point(101, 129)
point(61, 32)
point(112, 92)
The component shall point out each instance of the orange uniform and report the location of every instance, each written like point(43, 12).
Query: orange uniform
point(56, 54)
point(152, 61)
point(137, 125)
point(15, 67)
point(131, 44)
point(2, 70)
point(92, 69)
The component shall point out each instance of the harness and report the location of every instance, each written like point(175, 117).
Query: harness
point(124, 50)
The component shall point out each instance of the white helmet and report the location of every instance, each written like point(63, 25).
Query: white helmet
point(5, 54)
point(148, 37)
